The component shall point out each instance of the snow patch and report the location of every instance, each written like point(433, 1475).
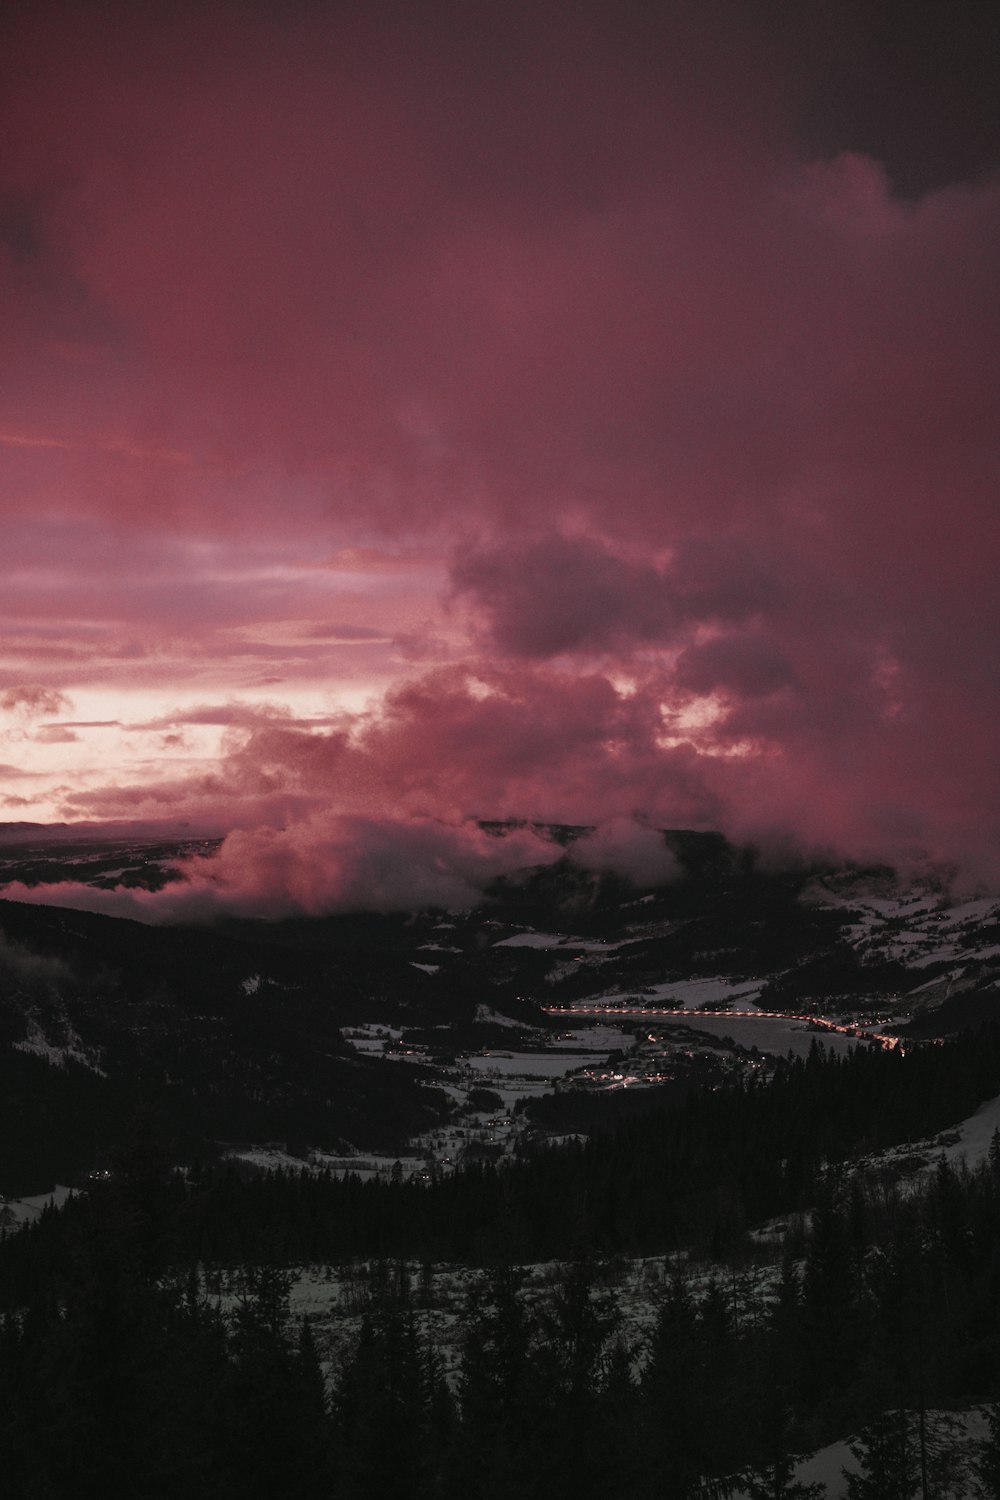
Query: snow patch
point(486, 1015)
point(37, 1042)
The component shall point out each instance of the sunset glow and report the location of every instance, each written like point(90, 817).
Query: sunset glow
point(416, 414)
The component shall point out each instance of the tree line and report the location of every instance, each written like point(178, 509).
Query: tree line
point(695, 1174)
point(121, 1373)
point(126, 1376)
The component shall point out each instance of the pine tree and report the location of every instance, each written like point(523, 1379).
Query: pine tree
point(887, 1458)
point(619, 1457)
point(312, 1418)
point(576, 1331)
point(382, 1404)
point(572, 1335)
point(441, 1410)
point(681, 1438)
point(776, 1481)
point(830, 1324)
point(277, 1426)
point(500, 1397)
point(987, 1461)
point(994, 1155)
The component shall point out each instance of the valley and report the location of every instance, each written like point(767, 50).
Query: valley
point(368, 1036)
point(574, 1112)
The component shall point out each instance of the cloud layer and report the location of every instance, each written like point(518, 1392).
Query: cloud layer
point(415, 418)
point(320, 865)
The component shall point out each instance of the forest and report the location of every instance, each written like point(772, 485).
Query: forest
point(121, 1371)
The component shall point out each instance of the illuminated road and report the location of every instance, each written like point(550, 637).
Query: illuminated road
point(816, 1025)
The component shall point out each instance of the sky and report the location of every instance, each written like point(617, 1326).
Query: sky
point(420, 414)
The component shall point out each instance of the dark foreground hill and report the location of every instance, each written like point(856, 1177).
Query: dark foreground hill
point(103, 1019)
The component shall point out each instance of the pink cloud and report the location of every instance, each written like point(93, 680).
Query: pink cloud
point(320, 865)
point(219, 715)
point(56, 734)
point(625, 847)
point(561, 593)
point(564, 594)
point(295, 310)
point(459, 742)
point(29, 702)
point(749, 666)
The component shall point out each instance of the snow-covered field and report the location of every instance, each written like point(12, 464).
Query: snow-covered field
point(692, 994)
point(920, 928)
point(528, 1064)
point(718, 991)
point(17, 1211)
point(828, 1464)
point(974, 1135)
point(531, 939)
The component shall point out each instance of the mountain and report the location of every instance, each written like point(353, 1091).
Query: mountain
point(214, 1037)
point(347, 1033)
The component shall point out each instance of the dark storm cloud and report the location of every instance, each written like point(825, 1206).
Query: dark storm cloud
point(697, 401)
